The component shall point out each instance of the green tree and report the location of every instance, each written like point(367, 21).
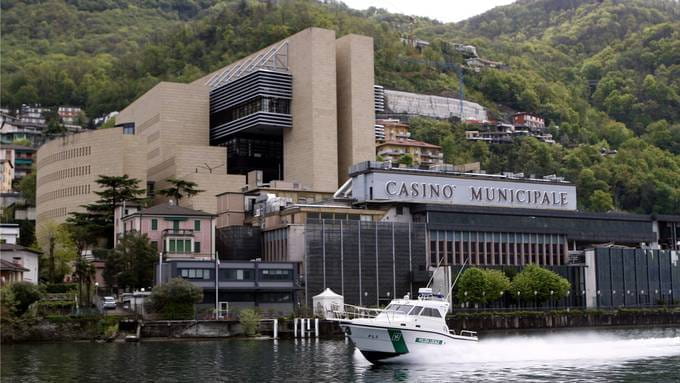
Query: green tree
point(472, 286)
point(496, 284)
point(24, 294)
point(58, 251)
point(84, 273)
point(179, 189)
point(601, 201)
point(27, 187)
point(176, 298)
point(98, 217)
point(131, 264)
point(539, 284)
point(406, 159)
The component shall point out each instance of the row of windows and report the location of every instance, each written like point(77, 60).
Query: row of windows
point(65, 155)
point(238, 274)
point(54, 213)
point(183, 246)
point(65, 173)
point(175, 225)
point(195, 273)
point(479, 252)
point(414, 310)
point(340, 216)
point(63, 193)
point(260, 104)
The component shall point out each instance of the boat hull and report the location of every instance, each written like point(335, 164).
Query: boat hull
point(380, 343)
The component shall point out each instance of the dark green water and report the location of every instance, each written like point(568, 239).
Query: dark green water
point(647, 355)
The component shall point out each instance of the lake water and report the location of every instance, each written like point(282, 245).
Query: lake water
point(632, 355)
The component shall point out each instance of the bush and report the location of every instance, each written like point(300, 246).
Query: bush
point(24, 295)
point(60, 288)
point(541, 281)
point(176, 298)
point(249, 319)
point(481, 286)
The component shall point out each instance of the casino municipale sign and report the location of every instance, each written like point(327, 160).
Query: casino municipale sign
point(463, 191)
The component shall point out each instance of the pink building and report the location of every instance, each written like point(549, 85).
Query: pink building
point(176, 231)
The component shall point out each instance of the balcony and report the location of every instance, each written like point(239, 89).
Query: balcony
point(178, 233)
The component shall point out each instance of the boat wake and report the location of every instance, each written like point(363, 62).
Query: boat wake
point(582, 348)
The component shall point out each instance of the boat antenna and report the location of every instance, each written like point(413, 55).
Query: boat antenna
point(439, 263)
point(457, 276)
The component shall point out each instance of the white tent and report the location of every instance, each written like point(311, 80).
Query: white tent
point(327, 303)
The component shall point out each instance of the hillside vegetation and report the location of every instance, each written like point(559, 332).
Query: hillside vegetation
point(604, 74)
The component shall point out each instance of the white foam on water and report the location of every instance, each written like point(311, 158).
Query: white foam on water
point(562, 349)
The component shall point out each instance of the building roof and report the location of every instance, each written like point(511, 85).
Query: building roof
point(409, 142)
point(11, 266)
point(12, 247)
point(174, 210)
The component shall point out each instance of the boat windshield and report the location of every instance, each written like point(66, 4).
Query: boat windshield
point(399, 308)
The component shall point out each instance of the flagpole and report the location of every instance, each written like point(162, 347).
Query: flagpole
point(217, 285)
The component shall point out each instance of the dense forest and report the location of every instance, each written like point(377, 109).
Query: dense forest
point(604, 73)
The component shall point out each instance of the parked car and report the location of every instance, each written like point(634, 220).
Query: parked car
point(109, 303)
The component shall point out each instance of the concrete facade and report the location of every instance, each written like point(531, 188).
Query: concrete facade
point(173, 119)
point(356, 114)
point(69, 166)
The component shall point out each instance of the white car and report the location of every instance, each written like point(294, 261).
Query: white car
point(109, 303)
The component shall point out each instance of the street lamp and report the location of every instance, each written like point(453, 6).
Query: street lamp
point(535, 299)
point(551, 298)
point(519, 303)
point(96, 288)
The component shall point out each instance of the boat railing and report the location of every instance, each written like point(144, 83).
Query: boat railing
point(354, 312)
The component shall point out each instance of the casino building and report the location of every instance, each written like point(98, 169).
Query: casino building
point(387, 230)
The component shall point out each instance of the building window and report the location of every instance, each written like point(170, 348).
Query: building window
point(175, 225)
point(179, 246)
point(154, 224)
point(276, 275)
point(197, 225)
point(400, 210)
point(237, 275)
point(195, 273)
point(197, 247)
point(154, 245)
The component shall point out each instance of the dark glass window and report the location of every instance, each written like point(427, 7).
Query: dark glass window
point(195, 273)
point(154, 224)
point(237, 275)
point(276, 275)
point(274, 297)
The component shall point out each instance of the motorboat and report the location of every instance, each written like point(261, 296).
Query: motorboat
point(406, 325)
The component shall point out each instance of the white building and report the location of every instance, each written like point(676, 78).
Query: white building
point(20, 259)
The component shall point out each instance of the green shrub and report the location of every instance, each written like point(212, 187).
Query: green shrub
point(537, 283)
point(481, 286)
point(175, 299)
point(25, 294)
point(249, 319)
point(60, 288)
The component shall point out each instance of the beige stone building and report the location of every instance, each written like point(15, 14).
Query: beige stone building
point(68, 167)
point(299, 111)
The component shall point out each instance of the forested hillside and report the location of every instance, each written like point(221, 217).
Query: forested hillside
point(602, 73)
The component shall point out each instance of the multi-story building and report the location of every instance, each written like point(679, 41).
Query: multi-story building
point(175, 231)
point(392, 130)
point(422, 153)
point(69, 115)
point(68, 168)
point(6, 175)
point(528, 121)
point(20, 156)
point(13, 129)
point(32, 114)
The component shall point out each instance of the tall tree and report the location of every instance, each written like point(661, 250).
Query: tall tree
point(130, 264)
point(98, 217)
point(179, 189)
